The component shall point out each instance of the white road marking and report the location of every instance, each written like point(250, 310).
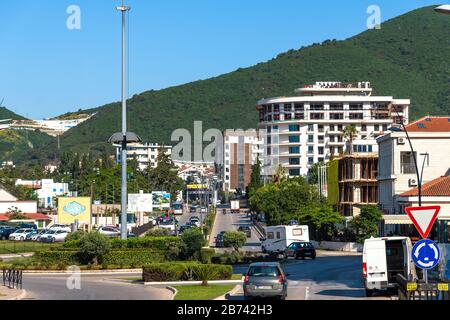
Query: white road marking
point(307, 293)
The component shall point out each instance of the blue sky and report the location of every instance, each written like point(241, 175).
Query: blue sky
point(47, 69)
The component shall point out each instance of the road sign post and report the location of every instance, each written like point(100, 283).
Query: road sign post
point(425, 253)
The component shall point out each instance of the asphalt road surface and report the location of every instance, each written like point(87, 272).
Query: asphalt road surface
point(92, 287)
point(326, 278)
point(231, 222)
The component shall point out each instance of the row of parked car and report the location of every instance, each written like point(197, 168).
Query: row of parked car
point(56, 233)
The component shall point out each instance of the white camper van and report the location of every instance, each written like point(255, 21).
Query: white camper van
point(384, 258)
point(279, 237)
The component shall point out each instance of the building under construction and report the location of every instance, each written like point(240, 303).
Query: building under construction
point(358, 186)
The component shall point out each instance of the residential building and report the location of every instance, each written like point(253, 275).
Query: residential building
point(41, 220)
point(430, 138)
point(308, 128)
point(22, 206)
point(241, 149)
point(6, 196)
point(146, 154)
point(47, 190)
point(194, 170)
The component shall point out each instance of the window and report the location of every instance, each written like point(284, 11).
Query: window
point(287, 107)
point(276, 108)
point(321, 150)
point(294, 172)
point(321, 128)
point(297, 232)
point(336, 106)
point(287, 116)
point(317, 107)
point(310, 160)
point(370, 148)
point(321, 139)
point(294, 150)
point(310, 138)
point(278, 235)
point(377, 127)
point(269, 129)
point(356, 106)
point(299, 116)
point(294, 161)
point(321, 160)
point(294, 127)
point(332, 127)
point(269, 140)
point(299, 107)
point(310, 149)
point(316, 116)
point(275, 127)
point(385, 127)
point(407, 162)
point(270, 235)
point(310, 127)
point(364, 128)
point(294, 139)
point(336, 116)
point(354, 116)
point(340, 127)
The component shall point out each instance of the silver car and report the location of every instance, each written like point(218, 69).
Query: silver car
point(265, 280)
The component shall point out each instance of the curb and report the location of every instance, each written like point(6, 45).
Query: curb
point(173, 290)
point(21, 296)
point(229, 293)
point(85, 272)
point(186, 283)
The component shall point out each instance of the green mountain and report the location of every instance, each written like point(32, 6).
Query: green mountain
point(409, 57)
point(8, 114)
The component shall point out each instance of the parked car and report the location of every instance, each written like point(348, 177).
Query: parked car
point(5, 232)
point(37, 236)
point(30, 235)
point(246, 229)
point(195, 221)
point(109, 231)
point(185, 227)
point(20, 234)
point(45, 237)
point(168, 224)
point(63, 227)
point(219, 240)
point(265, 279)
point(299, 250)
point(58, 236)
point(192, 209)
point(203, 210)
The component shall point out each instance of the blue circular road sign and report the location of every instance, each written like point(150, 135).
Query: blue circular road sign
point(426, 254)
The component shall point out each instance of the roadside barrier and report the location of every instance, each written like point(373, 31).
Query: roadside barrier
point(13, 277)
point(418, 290)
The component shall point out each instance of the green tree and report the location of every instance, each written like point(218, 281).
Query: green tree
point(234, 239)
point(350, 132)
point(255, 178)
point(280, 175)
point(93, 247)
point(15, 214)
point(192, 241)
point(367, 223)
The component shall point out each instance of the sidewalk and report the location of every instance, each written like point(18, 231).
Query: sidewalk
point(11, 294)
point(329, 253)
point(15, 255)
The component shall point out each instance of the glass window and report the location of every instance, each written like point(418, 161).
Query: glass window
point(332, 127)
point(310, 149)
point(407, 162)
point(321, 150)
point(294, 172)
point(316, 107)
point(269, 235)
point(316, 116)
point(294, 139)
point(354, 116)
point(310, 138)
point(299, 107)
point(336, 106)
point(294, 150)
point(364, 128)
point(370, 149)
point(310, 127)
point(297, 232)
point(294, 127)
point(278, 235)
point(294, 161)
point(310, 160)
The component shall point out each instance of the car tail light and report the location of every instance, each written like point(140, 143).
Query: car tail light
point(280, 278)
point(364, 270)
point(246, 279)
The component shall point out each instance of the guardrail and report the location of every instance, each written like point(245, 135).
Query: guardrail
point(260, 228)
point(13, 277)
point(418, 290)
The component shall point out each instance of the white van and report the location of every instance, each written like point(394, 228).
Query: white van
point(279, 237)
point(384, 258)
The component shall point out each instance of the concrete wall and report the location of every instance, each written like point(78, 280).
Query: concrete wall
point(338, 246)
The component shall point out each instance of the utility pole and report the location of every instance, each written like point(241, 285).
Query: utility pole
point(123, 226)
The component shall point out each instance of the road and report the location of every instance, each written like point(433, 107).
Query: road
point(231, 222)
point(93, 287)
point(326, 278)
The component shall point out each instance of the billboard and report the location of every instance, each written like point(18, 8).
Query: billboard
point(196, 186)
point(71, 209)
point(161, 199)
point(140, 202)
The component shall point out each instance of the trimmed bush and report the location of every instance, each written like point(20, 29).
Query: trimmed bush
point(206, 255)
point(192, 241)
point(157, 243)
point(185, 271)
point(53, 257)
point(158, 232)
point(93, 247)
point(234, 239)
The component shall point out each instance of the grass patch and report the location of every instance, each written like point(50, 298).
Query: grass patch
point(7, 247)
point(197, 292)
point(237, 276)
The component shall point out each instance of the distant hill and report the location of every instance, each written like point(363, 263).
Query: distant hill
point(8, 114)
point(408, 58)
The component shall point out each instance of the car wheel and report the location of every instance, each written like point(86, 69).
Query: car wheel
point(369, 293)
point(22, 239)
point(313, 257)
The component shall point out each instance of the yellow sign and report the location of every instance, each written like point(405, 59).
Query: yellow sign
point(411, 287)
point(71, 209)
point(443, 286)
point(197, 186)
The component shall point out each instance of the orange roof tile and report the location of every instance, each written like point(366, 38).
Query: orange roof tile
point(439, 187)
point(430, 124)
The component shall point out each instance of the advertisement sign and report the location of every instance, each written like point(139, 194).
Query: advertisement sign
point(197, 186)
point(161, 199)
point(71, 209)
point(140, 202)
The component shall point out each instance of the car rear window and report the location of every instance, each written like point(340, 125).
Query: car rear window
point(305, 245)
point(263, 271)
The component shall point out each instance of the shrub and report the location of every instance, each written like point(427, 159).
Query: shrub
point(156, 243)
point(204, 273)
point(93, 247)
point(52, 257)
point(185, 271)
point(71, 244)
point(133, 258)
point(192, 241)
point(73, 236)
point(206, 255)
point(234, 239)
point(158, 232)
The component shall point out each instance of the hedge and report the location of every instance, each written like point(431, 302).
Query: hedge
point(182, 271)
point(129, 258)
point(157, 243)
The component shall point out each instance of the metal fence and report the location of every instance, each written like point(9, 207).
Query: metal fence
point(12, 278)
point(419, 290)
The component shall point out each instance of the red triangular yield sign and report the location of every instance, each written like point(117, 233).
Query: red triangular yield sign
point(423, 218)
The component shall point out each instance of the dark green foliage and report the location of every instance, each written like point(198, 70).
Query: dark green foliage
point(185, 271)
point(74, 236)
point(192, 240)
point(407, 58)
point(93, 247)
point(8, 114)
point(156, 243)
point(234, 239)
point(366, 224)
point(53, 257)
point(158, 232)
point(206, 255)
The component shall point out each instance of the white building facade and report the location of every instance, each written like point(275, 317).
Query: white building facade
point(146, 154)
point(308, 128)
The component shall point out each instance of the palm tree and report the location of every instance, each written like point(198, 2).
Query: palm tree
point(350, 133)
point(279, 175)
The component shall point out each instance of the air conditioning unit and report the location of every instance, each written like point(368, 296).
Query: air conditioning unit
point(401, 141)
point(413, 182)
